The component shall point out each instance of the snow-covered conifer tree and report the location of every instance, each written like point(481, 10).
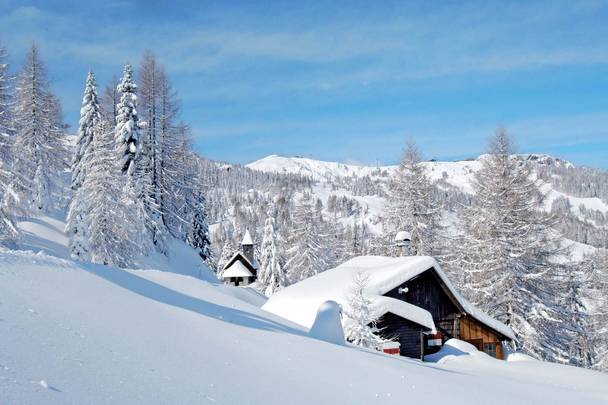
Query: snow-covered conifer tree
point(271, 276)
point(360, 319)
point(306, 256)
point(113, 237)
point(228, 250)
point(8, 203)
point(39, 151)
point(127, 122)
point(504, 254)
point(411, 204)
point(109, 103)
point(198, 237)
point(579, 322)
point(89, 126)
point(6, 111)
point(90, 120)
point(598, 296)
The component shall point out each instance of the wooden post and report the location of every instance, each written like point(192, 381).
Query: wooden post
point(421, 346)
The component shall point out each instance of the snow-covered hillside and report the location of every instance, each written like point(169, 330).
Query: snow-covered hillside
point(458, 173)
point(329, 178)
point(74, 333)
point(316, 169)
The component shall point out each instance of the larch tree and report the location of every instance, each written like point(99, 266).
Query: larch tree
point(411, 204)
point(89, 126)
point(504, 252)
point(151, 150)
point(306, 256)
point(598, 296)
point(112, 241)
point(359, 317)
point(39, 150)
point(109, 103)
point(579, 326)
point(9, 232)
point(7, 130)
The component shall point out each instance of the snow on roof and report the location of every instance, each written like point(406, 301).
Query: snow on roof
point(247, 239)
point(299, 302)
point(405, 310)
point(242, 258)
point(236, 269)
point(402, 235)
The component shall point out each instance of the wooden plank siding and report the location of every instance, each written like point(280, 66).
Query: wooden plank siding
point(407, 333)
point(478, 334)
point(426, 292)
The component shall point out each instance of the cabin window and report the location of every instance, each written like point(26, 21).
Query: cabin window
point(490, 348)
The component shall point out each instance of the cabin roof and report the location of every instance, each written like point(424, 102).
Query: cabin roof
point(382, 305)
point(247, 240)
point(239, 256)
point(299, 302)
point(237, 269)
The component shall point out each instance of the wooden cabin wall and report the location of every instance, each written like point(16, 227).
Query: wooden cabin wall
point(473, 331)
point(407, 333)
point(425, 291)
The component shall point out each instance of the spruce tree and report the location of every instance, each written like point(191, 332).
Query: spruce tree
point(90, 125)
point(271, 276)
point(133, 164)
point(198, 237)
point(127, 122)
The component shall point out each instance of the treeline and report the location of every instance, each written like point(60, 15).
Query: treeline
point(135, 182)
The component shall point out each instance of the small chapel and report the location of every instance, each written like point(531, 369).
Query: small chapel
point(242, 268)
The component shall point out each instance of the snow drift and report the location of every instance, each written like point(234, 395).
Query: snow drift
point(74, 333)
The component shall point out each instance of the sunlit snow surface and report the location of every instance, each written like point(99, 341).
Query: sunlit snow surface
point(87, 334)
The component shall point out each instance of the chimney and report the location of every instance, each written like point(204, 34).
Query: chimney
point(403, 241)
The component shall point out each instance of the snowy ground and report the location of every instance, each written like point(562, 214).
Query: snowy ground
point(81, 333)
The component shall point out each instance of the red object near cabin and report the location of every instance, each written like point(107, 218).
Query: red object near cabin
point(392, 348)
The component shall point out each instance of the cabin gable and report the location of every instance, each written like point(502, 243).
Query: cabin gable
point(425, 291)
point(240, 257)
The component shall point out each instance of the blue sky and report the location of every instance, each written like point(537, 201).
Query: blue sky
point(347, 81)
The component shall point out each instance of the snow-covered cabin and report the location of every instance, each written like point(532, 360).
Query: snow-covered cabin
point(416, 302)
point(242, 268)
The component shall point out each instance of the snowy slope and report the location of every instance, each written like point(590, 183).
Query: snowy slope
point(316, 169)
point(74, 333)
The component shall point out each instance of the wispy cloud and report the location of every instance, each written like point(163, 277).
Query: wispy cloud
point(329, 74)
